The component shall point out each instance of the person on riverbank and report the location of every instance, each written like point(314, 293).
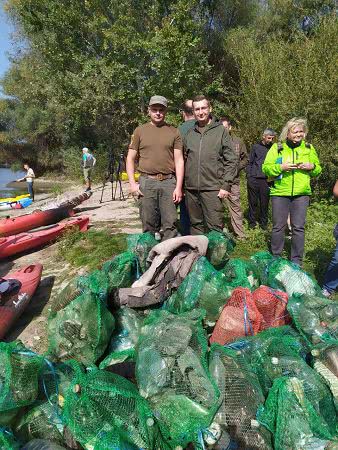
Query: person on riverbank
point(210, 169)
point(158, 148)
point(189, 122)
point(257, 182)
point(29, 178)
point(331, 276)
point(88, 163)
point(233, 201)
point(291, 163)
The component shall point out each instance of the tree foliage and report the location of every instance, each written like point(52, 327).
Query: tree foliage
point(89, 67)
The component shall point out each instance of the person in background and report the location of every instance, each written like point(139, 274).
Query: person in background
point(257, 184)
point(29, 178)
point(88, 163)
point(331, 276)
point(158, 147)
point(189, 122)
point(233, 200)
point(291, 163)
point(211, 166)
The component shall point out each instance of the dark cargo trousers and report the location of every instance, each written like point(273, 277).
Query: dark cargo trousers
point(258, 198)
point(157, 207)
point(281, 208)
point(206, 211)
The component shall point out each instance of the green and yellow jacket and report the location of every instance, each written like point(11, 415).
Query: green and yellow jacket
point(294, 182)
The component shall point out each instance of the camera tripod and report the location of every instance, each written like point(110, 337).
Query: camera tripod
point(113, 175)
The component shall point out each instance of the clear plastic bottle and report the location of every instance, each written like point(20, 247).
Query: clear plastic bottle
point(217, 371)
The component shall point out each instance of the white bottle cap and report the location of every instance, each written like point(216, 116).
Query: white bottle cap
point(274, 360)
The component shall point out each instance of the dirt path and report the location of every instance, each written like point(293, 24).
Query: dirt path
point(118, 216)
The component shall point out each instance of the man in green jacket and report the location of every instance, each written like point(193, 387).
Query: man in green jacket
point(210, 169)
point(290, 165)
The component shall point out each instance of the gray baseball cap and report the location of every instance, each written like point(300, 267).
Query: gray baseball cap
point(158, 100)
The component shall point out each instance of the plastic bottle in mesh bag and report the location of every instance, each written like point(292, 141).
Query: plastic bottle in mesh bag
point(241, 273)
point(122, 271)
point(125, 337)
point(171, 372)
point(204, 287)
point(315, 318)
point(140, 245)
point(96, 283)
point(220, 246)
point(289, 277)
point(261, 261)
point(42, 444)
point(81, 330)
point(242, 397)
point(289, 414)
point(19, 374)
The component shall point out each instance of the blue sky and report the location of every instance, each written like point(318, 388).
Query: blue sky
point(5, 44)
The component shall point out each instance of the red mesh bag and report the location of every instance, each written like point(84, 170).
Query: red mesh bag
point(239, 317)
point(271, 303)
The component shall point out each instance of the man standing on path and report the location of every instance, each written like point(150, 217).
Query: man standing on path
point(29, 178)
point(189, 122)
point(158, 147)
point(211, 166)
point(88, 162)
point(257, 184)
point(233, 200)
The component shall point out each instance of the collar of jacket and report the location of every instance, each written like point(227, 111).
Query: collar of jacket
point(213, 124)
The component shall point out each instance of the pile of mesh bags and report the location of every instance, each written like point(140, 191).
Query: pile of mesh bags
point(140, 245)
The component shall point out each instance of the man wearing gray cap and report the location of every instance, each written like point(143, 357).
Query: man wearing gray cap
point(257, 183)
point(158, 148)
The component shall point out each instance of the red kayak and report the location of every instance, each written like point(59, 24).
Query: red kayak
point(13, 305)
point(26, 241)
point(16, 225)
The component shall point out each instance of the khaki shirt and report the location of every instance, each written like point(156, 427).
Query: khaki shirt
point(155, 148)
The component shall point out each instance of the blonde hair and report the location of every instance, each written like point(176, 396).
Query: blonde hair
point(294, 122)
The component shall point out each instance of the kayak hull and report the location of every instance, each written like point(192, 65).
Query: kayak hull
point(26, 222)
point(23, 242)
point(15, 305)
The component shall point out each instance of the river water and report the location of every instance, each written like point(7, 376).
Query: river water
point(6, 176)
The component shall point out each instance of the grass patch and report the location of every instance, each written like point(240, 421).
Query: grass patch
point(90, 249)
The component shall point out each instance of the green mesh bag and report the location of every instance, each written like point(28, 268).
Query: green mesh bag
point(8, 440)
point(42, 444)
point(261, 261)
point(122, 271)
point(289, 414)
point(290, 278)
point(259, 350)
point(81, 330)
point(204, 287)
point(96, 283)
point(125, 337)
point(140, 245)
point(241, 398)
point(40, 422)
point(19, 374)
point(103, 410)
point(316, 318)
point(172, 372)
point(219, 248)
point(241, 273)
point(8, 417)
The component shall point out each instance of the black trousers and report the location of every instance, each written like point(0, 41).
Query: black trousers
point(258, 198)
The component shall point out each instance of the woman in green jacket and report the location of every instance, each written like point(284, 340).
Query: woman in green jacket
point(290, 164)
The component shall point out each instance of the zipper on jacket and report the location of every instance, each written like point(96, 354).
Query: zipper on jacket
point(293, 172)
point(199, 163)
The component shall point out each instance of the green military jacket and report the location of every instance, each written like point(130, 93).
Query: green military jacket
point(211, 162)
point(293, 182)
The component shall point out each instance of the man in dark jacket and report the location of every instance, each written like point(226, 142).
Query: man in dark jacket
point(258, 189)
point(211, 166)
point(233, 201)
